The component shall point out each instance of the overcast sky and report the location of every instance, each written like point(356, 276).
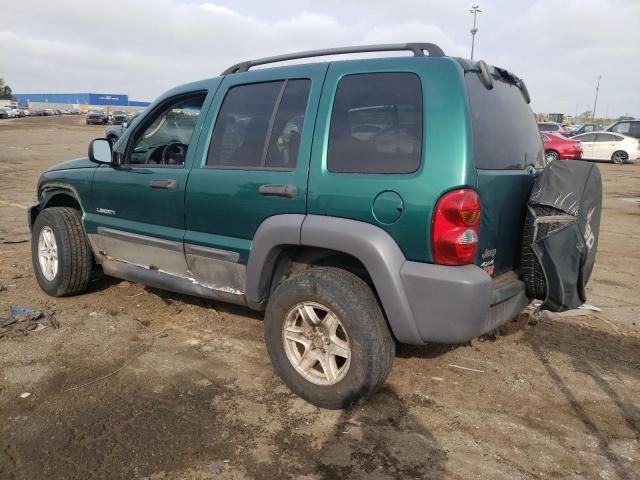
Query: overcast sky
point(145, 47)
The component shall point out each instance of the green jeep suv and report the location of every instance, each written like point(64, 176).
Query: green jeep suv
point(359, 203)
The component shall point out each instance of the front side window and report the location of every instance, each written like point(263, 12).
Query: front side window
point(588, 137)
point(163, 140)
point(260, 126)
point(376, 124)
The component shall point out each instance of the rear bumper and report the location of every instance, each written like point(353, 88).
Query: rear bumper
point(457, 304)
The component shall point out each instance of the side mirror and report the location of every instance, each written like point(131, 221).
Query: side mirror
point(101, 151)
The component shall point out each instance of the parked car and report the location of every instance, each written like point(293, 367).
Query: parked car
point(27, 112)
point(630, 128)
point(118, 117)
point(114, 132)
point(49, 112)
point(96, 117)
point(557, 147)
point(3, 113)
point(552, 128)
point(586, 128)
point(369, 238)
point(608, 146)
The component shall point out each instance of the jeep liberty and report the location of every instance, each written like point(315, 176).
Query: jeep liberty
point(358, 203)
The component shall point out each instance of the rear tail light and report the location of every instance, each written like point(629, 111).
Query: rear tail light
point(455, 228)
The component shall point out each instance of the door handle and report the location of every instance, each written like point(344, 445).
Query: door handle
point(278, 190)
point(164, 185)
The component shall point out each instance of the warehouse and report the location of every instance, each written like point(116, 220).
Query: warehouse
point(78, 101)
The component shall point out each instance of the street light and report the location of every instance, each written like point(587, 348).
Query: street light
point(595, 102)
point(475, 9)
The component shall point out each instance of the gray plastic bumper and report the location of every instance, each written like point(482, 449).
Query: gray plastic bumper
point(456, 304)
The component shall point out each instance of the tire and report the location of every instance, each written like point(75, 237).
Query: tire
point(369, 344)
point(73, 255)
point(619, 157)
point(532, 273)
point(551, 155)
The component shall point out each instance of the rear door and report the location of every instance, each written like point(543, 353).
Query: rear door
point(252, 164)
point(507, 151)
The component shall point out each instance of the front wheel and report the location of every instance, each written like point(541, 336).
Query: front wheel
point(61, 256)
point(327, 337)
point(619, 157)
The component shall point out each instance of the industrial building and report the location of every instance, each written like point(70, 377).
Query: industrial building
point(78, 101)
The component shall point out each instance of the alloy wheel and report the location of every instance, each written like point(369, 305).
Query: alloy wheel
point(316, 343)
point(48, 253)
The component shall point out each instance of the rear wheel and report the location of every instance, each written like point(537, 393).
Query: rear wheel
point(619, 157)
point(327, 337)
point(551, 155)
point(61, 256)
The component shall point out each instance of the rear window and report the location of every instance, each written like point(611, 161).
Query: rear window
point(376, 124)
point(505, 133)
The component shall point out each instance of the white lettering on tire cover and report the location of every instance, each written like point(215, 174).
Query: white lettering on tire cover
point(589, 237)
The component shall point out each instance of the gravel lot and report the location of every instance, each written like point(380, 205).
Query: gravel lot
point(138, 383)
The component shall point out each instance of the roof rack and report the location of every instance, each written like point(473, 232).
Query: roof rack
point(418, 50)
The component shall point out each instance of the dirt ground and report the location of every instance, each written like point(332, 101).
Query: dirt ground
point(137, 383)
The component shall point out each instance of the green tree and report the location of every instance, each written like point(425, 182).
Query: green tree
point(5, 91)
point(585, 116)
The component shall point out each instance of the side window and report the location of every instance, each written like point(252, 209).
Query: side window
point(259, 125)
point(545, 138)
point(607, 137)
point(163, 139)
point(588, 137)
point(376, 124)
point(590, 128)
point(622, 128)
point(634, 131)
point(284, 141)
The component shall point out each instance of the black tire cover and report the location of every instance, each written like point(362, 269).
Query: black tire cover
point(572, 190)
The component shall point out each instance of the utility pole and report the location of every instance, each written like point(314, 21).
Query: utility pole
point(595, 102)
point(475, 9)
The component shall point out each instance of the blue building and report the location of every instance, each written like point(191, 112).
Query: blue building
point(76, 100)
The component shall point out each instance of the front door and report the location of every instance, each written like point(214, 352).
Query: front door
point(136, 214)
point(252, 164)
point(587, 140)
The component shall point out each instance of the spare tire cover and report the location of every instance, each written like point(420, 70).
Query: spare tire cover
point(567, 253)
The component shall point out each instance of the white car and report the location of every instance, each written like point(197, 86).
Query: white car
point(609, 146)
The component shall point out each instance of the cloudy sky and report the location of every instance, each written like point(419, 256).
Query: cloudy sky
point(144, 47)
